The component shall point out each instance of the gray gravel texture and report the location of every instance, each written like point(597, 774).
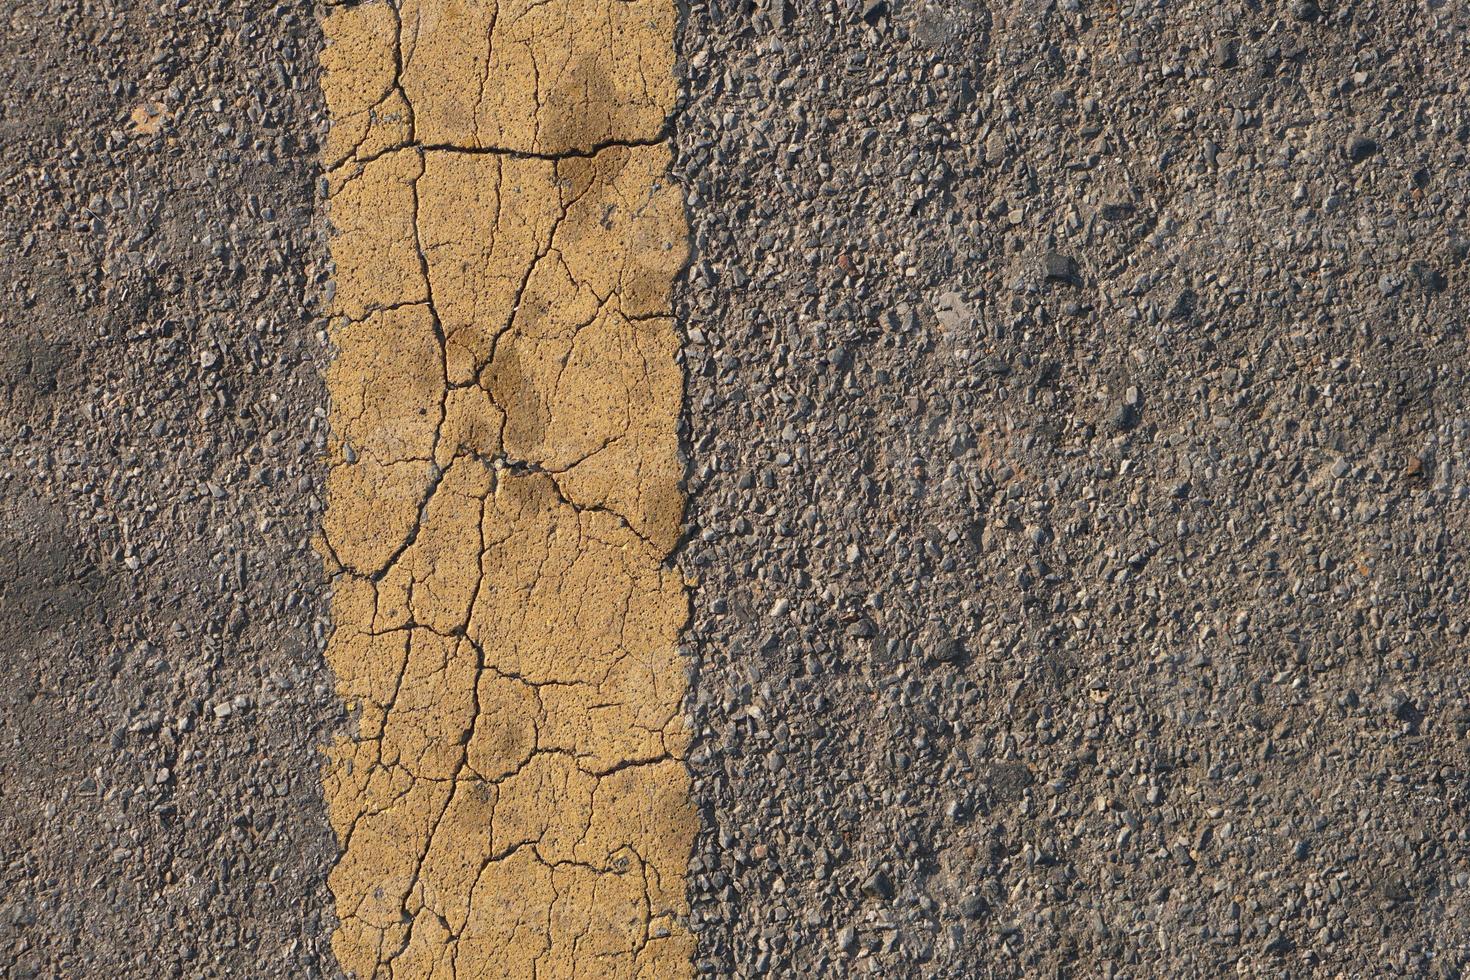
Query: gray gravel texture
point(162, 688)
point(1078, 442)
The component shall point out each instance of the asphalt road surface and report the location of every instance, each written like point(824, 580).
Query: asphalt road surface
point(794, 488)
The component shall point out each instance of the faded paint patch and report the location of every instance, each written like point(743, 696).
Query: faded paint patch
point(504, 491)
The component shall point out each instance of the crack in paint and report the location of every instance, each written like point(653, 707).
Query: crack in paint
point(505, 490)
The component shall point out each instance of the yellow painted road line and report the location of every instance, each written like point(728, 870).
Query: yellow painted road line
point(504, 490)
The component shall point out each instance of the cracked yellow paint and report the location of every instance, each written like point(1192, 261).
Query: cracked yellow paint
point(504, 491)
point(543, 77)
